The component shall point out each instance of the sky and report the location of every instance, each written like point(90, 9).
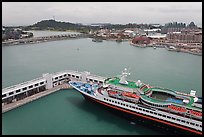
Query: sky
point(28, 13)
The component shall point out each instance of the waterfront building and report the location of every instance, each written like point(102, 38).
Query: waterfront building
point(185, 37)
point(141, 40)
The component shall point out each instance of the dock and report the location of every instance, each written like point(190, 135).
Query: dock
point(23, 93)
point(26, 100)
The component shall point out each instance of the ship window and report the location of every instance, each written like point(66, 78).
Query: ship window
point(17, 90)
point(56, 77)
point(197, 125)
point(183, 121)
point(41, 83)
point(172, 118)
point(115, 101)
point(200, 125)
point(140, 109)
point(77, 76)
point(69, 74)
point(36, 84)
point(159, 114)
point(60, 76)
point(168, 117)
point(4, 95)
point(187, 122)
point(65, 75)
point(126, 105)
point(133, 107)
point(112, 101)
point(192, 123)
point(151, 112)
point(178, 119)
point(90, 79)
point(73, 75)
point(30, 86)
point(25, 88)
point(10, 93)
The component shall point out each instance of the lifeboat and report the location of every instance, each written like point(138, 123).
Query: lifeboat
point(196, 113)
point(130, 94)
point(112, 92)
point(178, 109)
point(135, 96)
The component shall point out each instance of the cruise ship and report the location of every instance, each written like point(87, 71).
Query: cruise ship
point(167, 110)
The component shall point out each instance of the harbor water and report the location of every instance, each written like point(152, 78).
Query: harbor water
point(66, 112)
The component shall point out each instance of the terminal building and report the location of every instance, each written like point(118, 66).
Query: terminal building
point(47, 81)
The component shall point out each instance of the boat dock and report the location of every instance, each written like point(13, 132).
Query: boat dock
point(20, 94)
point(28, 99)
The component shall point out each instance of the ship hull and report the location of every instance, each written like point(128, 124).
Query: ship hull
point(147, 122)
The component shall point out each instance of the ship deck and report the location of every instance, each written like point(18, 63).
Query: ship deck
point(115, 81)
point(167, 95)
point(84, 87)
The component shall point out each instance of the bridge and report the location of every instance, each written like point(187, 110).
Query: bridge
point(44, 39)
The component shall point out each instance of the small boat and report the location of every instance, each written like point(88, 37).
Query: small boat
point(118, 40)
point(155, 47)
point(97, 40)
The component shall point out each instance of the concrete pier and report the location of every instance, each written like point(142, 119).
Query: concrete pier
point(20, 94)
point(26, 100)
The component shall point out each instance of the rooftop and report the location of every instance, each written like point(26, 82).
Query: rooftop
point(115, 81)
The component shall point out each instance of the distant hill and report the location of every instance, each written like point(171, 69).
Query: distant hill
point(54, 25)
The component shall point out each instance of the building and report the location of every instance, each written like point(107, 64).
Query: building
point(185, 37)
point(141, 40)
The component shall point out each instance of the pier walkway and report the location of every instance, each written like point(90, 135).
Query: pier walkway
point(19, 103)
point(20, 94)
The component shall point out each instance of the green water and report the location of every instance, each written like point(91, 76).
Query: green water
point(66, 111)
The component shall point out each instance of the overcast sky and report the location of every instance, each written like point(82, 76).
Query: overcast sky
point(27, 13)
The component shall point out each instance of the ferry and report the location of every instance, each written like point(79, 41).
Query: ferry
point(161, 108)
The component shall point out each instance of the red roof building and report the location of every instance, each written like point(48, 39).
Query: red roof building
point(141, 40)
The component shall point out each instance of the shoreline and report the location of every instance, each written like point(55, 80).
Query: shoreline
point(163, 46)
point(157, 45)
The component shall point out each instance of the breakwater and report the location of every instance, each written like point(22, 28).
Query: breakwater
point(44, 39)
